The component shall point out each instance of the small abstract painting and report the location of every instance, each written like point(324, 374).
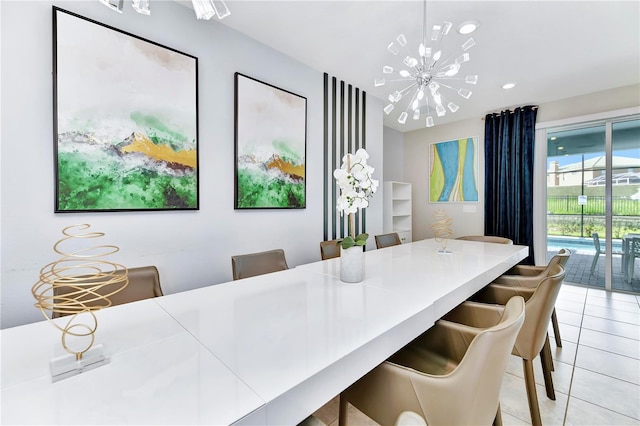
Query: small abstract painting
point(271, 137)
point(453, 171)
point(125, 120)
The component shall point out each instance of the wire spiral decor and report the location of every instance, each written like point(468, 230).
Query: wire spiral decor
point(442, 229)
point(78, 284)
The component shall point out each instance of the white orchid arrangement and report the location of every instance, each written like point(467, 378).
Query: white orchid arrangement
point(356, 184)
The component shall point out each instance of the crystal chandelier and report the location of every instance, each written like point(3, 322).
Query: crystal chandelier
point(427, 75)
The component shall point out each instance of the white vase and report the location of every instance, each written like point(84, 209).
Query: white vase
point(352, 264)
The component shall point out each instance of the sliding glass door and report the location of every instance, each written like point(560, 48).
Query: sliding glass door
point(593, 202)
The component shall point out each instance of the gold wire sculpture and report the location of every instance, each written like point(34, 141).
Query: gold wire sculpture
point(442, 229)
point(78, 283)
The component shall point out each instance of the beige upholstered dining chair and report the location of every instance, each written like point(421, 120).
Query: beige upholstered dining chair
point(144, 283)
point(530, 276)
point(486, 239)
point(252, 264)
point(329, 249)
point(531, 339)
point(451, 374)
point(388, 240)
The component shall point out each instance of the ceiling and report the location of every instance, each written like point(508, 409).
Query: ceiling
point(551, 49)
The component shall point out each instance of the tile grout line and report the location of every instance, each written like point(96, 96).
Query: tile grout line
point(575, 357)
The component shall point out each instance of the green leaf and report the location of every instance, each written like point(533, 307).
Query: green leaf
point(347, 242)
point(362, 237)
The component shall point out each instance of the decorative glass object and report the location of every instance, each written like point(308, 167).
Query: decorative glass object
point(74, 287)
point(442, 229)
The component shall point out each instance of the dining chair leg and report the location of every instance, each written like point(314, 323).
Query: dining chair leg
point(556, 328)
point(546, 370)
point(498, 420)
point(342, 412)
point(548, 360)
point(532, 396)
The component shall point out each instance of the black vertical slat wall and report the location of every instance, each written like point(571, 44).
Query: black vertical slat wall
point(344, 131)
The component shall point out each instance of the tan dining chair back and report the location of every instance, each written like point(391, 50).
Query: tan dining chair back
point(450, 375)
point(486, 239)
point(530, 276)
point(388, 240)
point(540, 302)
point(252, 264)
point(329, 249)
point(144, 283)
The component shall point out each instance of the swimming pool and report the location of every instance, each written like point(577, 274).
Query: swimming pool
point(577, 244)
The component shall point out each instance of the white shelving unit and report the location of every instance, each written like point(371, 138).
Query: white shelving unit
point(397, 209)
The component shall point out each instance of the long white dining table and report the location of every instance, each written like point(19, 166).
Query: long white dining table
point(265, 350)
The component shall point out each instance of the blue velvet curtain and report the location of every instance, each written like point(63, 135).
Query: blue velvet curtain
point(508, 151)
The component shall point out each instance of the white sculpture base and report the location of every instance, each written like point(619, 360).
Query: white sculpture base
point(352, 264)
point(67, 365)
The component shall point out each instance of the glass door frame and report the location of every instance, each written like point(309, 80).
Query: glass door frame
point(540, 178)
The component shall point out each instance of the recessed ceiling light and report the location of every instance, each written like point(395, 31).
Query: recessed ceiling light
point(508, 86)
point(467, 27)
point(553, 138)
point(561, 148)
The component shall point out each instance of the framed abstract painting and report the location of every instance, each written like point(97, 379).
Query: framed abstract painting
point(270, 146)
point(125, 120)
point(453, 171)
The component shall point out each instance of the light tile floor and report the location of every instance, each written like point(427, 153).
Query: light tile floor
point(597, 370)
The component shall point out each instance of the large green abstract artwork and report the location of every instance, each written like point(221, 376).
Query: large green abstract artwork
point(270, 136)
point(453, 171)
point(125, 120)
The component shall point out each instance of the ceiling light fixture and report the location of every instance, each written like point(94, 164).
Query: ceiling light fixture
point(467, 27)
point(115, 5)
point(141, 6)
point(206, 9)
point(508, 86)
point(427, 74)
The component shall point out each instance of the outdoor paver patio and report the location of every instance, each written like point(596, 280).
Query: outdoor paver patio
point(578, 271)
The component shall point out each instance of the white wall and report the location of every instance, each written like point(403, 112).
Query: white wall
point(393, 154)
point(190, 248)
point(416, 155)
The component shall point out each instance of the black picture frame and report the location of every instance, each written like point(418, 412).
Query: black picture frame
point(270, 146)
point(125, 120)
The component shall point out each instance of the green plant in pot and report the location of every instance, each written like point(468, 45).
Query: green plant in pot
point(354, 177)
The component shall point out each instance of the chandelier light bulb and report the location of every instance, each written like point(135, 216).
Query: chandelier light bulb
point(415, 105)
point(420, 94)
point(429, 121)
point(468, 44)
point(403, 117)
point(435, 33)
point(464, 93)
point(422, 50)
point(141, 6)
point(462, 58)
point(453, 70)
point(387, 69)
point(437, 55)
point(387, 110)
point(405, 73)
